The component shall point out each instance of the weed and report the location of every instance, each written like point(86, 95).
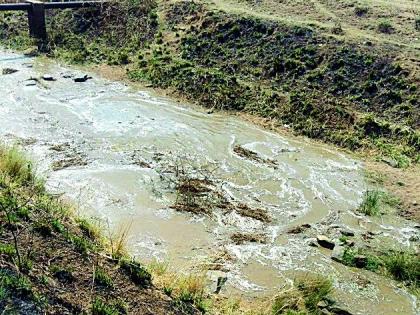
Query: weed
point(385, 26)
point(81, 244)
point(7, 249)
point(89, 229)
point(375, 202)
point(371, 203)
point(304, 297)
point(138, 274)
point(403, 266)
point(102, 278)
point(361, 10)
point(100, 307)
point(16, 166)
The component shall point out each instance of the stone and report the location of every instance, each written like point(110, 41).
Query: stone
point(360, 261)
point(346, 232)
point(6, 71)
point(325, 242)
point(82, 78)
point(338, 253)
point(48, 77)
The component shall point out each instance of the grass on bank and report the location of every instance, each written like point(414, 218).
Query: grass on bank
point(376, 202)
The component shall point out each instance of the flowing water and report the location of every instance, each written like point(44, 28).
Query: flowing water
point(106, 146)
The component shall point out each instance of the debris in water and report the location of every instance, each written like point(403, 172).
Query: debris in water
point(6, 71)
point(253, 156)
point(241, 238)
point(256, 213)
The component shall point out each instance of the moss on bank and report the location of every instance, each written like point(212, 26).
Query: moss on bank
point(354, 95)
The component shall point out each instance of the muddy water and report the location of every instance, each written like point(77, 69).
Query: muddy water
point(104, 146)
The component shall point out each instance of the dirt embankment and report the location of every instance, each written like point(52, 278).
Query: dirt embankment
point(54, 263)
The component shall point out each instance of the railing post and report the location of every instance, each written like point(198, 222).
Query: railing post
point(36, 19)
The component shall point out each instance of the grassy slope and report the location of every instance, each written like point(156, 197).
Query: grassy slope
point(318, 67)
point(51, 262)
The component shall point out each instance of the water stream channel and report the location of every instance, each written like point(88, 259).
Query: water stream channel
point(108, 147)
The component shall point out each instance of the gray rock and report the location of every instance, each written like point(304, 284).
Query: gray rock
point(326, 242)
point(337, 254)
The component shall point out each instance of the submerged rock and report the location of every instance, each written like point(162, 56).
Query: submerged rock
point(325, 242)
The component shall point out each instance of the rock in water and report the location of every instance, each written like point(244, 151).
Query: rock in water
point(48, 77)
point(6, 71)
point(324, 241)
point(82, 79)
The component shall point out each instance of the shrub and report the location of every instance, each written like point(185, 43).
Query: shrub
point(303, 299)
point(100, 307)
point(417, 23)
point(361, 10)
point(403, 266)
point(14, 165)
point(385, 26)
point(376, 201)
point(371, 203)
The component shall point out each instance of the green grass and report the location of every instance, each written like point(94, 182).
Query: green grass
point(100, 307)
point(403, 266)
point(14, 165)
point(303, 299)
point(376, 202)
point(101, 278)
point(371, 204)
point(138, 274)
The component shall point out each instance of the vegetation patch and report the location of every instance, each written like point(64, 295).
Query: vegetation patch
point(376, 202)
